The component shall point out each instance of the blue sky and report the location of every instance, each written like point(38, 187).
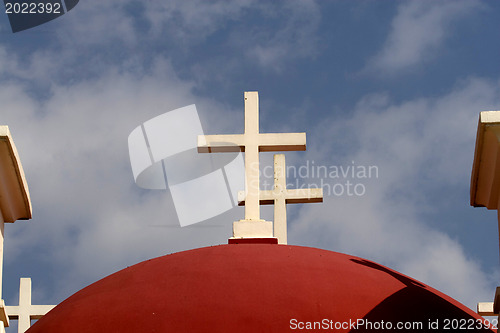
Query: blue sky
point(394, 84)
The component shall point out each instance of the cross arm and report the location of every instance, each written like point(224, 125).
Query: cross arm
point(265, 198)
point(221, 143)
point(293, 196)
point(12, 311)
point(38, 311)
point(35, 311)
point(304, 195)
point(282, 141)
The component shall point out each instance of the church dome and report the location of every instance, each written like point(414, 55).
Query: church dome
point(256, 288)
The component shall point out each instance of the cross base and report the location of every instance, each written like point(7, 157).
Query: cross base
point(253, 229)
point(490, 308)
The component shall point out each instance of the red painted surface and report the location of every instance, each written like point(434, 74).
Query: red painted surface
point(252, 241)
point(251, 288)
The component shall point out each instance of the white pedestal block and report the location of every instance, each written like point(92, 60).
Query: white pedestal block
point(252, 229)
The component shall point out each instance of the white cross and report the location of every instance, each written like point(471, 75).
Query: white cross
point(25, 311)
point(280, 196)
point(252, 142)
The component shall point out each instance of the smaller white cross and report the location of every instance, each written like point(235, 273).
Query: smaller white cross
point(280, 196)
point(25, 311)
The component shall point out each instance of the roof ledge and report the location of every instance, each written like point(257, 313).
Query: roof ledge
point(15, 203)
point(485, 179)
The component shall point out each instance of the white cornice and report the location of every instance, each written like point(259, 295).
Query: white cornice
point(15, 203)
point(485, 179)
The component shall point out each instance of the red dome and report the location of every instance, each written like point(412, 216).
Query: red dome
point(254, 288)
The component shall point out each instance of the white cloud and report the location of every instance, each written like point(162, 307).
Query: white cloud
point(193, 20)
point(137, 23)
point(98, 23)
point(296, 39)
point(88, 213)
point(418, 32)
point(419, 147)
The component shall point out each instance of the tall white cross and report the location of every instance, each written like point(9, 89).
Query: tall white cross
point(280, 196)
point(251, 142)
point(25, 311)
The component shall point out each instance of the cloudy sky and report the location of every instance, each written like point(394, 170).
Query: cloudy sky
point(393, 85)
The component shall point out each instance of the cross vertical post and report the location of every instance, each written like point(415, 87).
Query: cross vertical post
point(279, 190)
point(252, 210)
point(24, 320)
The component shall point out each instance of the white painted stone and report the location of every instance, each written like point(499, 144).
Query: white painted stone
point(15, 202)
point(486, 309)
point(485, 180)
point(25, 311)
point(253, 229)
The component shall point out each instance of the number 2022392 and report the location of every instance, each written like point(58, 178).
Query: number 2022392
point(33, 8)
